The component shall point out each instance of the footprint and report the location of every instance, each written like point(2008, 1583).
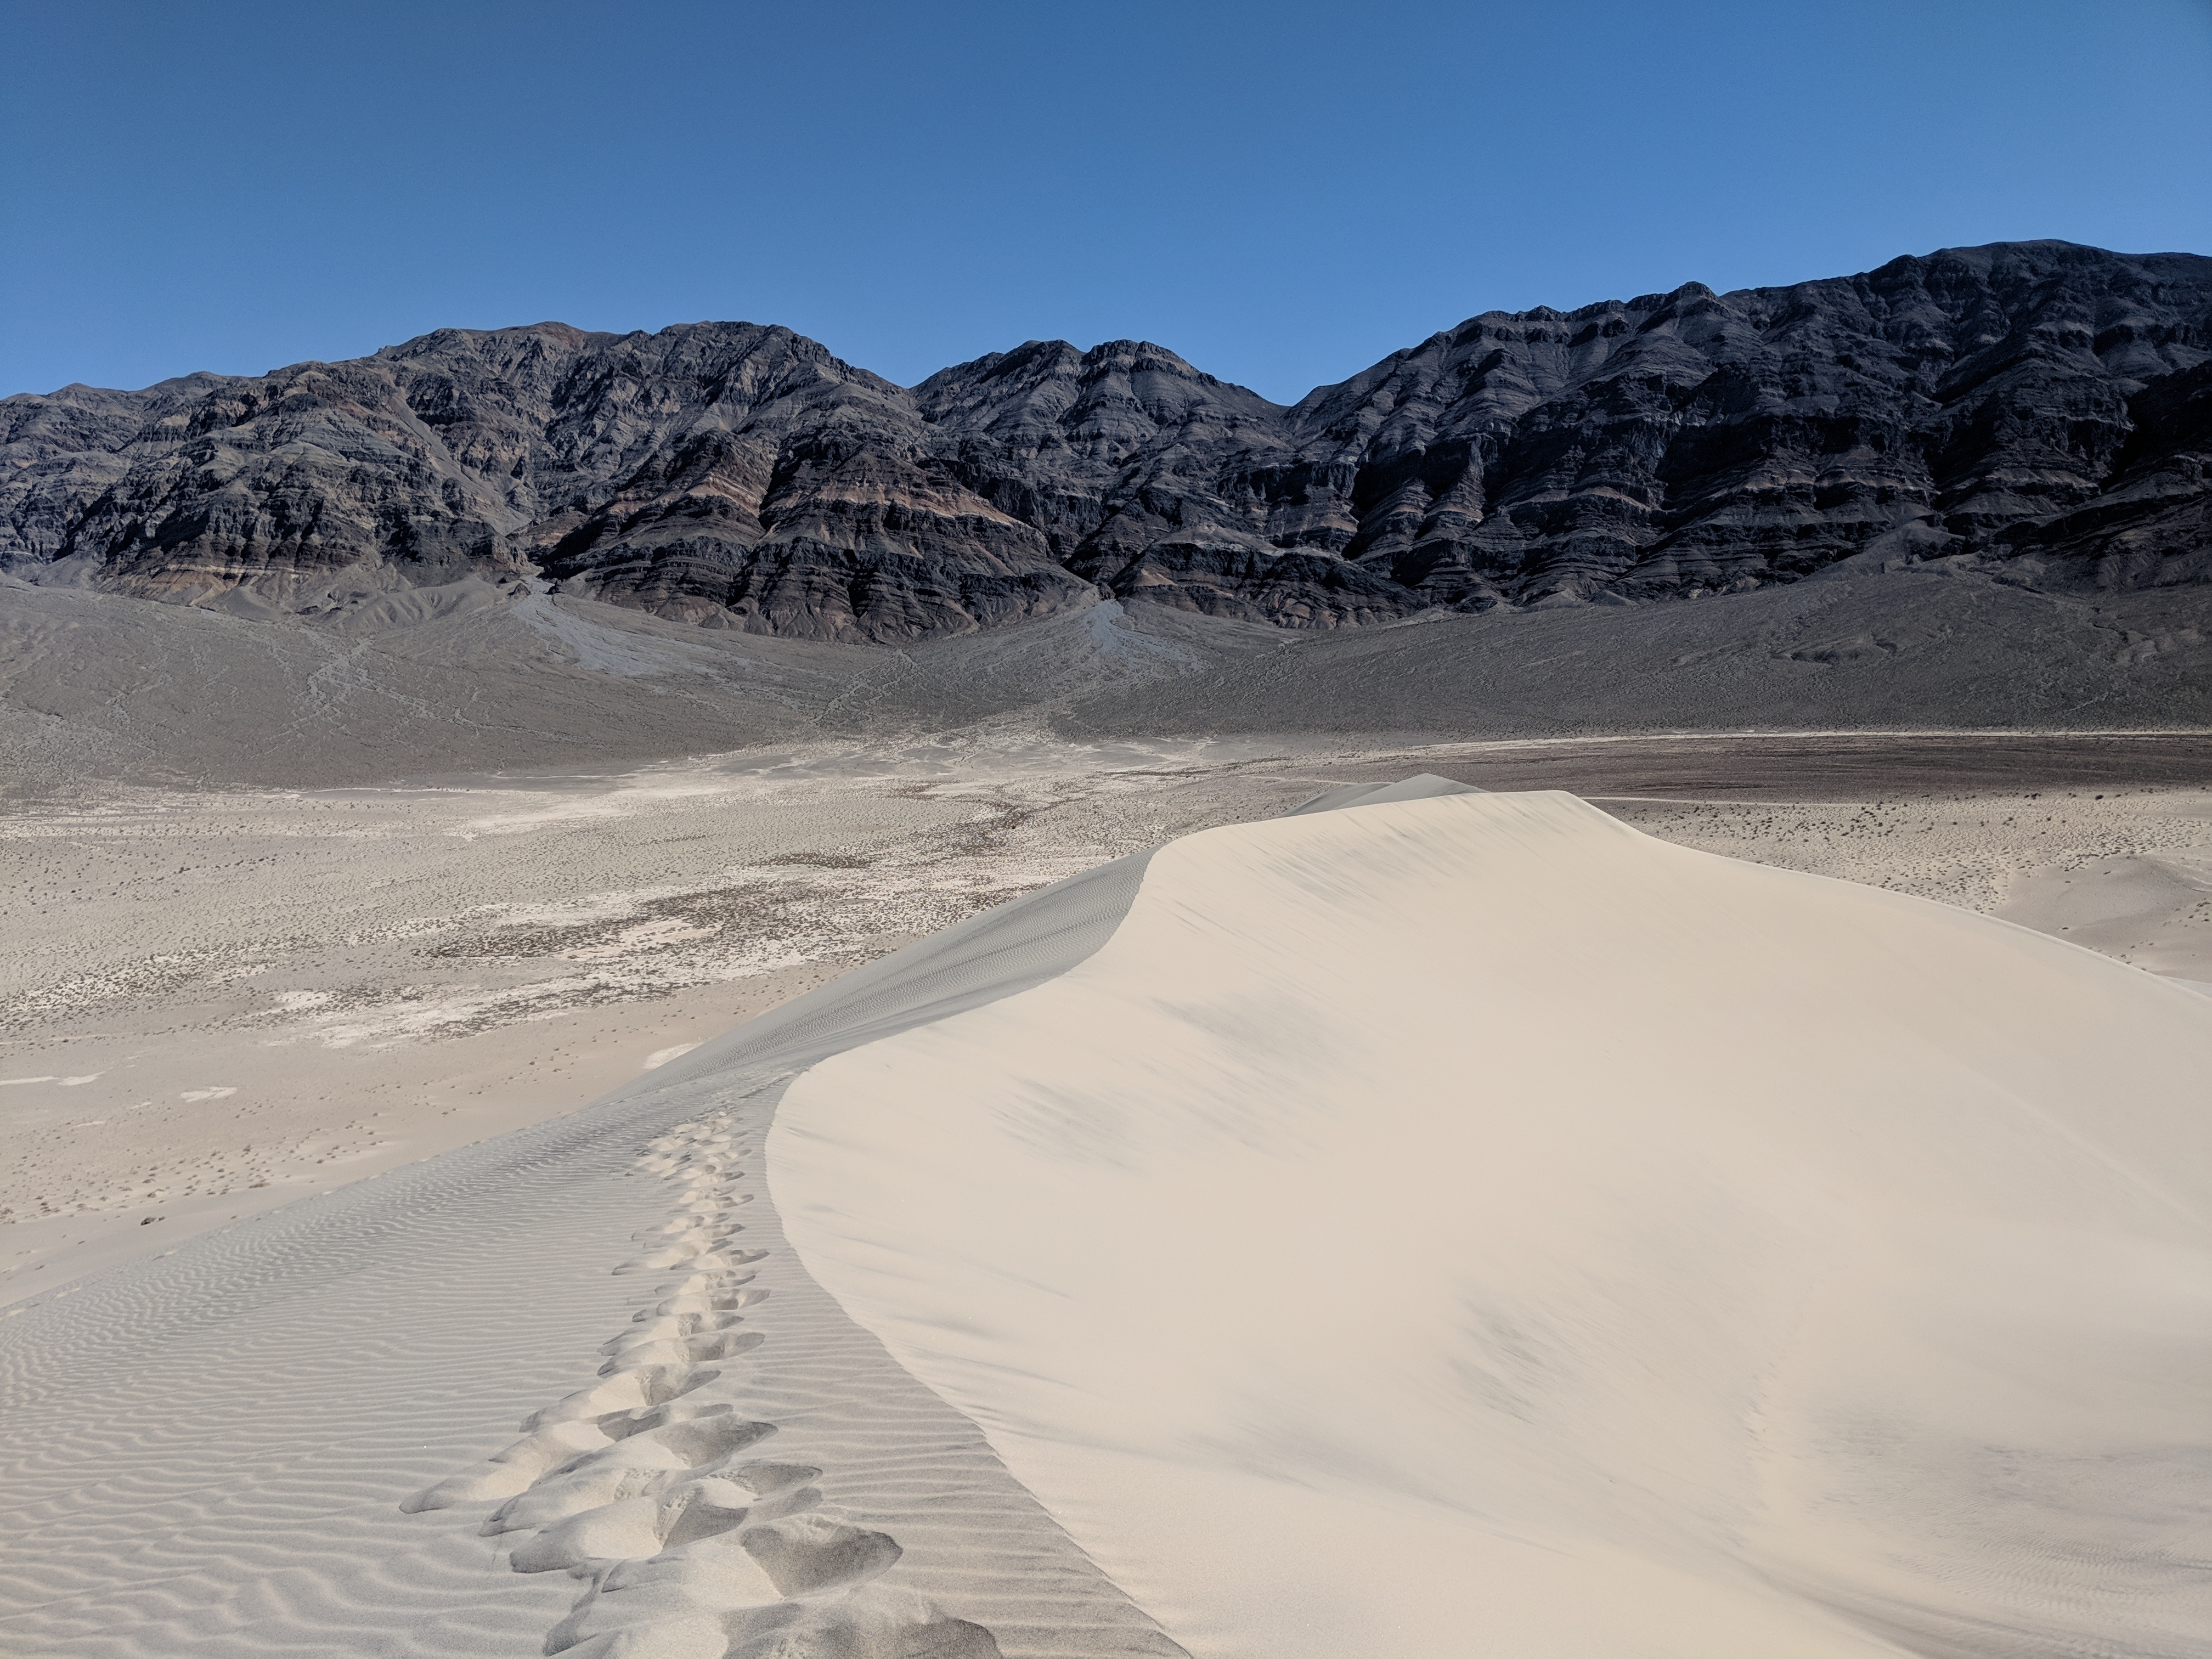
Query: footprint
point(631, 1390)
point(676, 1255)
point(705, 1260)
point(688, 1323)
point(723, 1345)
point(876, 1622)
point(693, 1552)
point(618, 1426)
point(640, 1528)
point(766, 1480)
point(706, 1301)
point(663, 1351)
point(807, 1554)
point(695, 1517)
point(686, 1221)
point(640, 1465)
point(669, 1339)
point(670, 1287)
point(713, 1206)
point(688, 1236)
point(636, 1528)
point(641, 1604)
point(707, 1248)
point(711, 1283)
point(508, 1472)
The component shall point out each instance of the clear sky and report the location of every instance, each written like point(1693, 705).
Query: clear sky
point(1281, 192)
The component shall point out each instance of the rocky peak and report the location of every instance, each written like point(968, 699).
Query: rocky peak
point(1118, 395)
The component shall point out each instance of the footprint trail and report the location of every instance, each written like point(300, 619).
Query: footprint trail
point(714, 1498)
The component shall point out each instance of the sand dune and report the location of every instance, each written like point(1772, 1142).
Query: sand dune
point(1472, 1221)
point(1458, 1223)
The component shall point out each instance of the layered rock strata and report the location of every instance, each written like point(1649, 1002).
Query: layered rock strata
point(2041, 407)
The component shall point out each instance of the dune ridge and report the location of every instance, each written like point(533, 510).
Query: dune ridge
point(1386, 1234)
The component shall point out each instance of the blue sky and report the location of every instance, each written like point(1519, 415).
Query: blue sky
point(1282, 193)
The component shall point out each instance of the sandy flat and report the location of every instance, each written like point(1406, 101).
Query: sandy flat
point(217, 1003)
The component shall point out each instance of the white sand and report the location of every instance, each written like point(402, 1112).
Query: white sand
point(1469, 1225)
point(1746, 1371)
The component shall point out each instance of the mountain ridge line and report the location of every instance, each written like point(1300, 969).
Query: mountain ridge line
point(2041, 408)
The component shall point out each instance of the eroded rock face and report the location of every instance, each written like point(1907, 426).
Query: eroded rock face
point(734, 475)
point(1694, 440)
point(2038, 404)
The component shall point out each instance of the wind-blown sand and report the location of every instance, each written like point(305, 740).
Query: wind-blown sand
point(1464, 1220)
point(1470, 1222)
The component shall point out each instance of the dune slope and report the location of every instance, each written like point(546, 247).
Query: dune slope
point(1468, 1225)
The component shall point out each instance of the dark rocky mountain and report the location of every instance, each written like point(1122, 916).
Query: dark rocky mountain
point(2042, 410)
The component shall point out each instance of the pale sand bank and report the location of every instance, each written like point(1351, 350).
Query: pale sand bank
point(1470, 1222)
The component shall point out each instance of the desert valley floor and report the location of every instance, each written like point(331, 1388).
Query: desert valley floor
point(221, 1001)
point(233, 1113)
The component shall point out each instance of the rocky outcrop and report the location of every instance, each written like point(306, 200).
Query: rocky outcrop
point(2040, 406)
point(1693, 441)
point(726, 473)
